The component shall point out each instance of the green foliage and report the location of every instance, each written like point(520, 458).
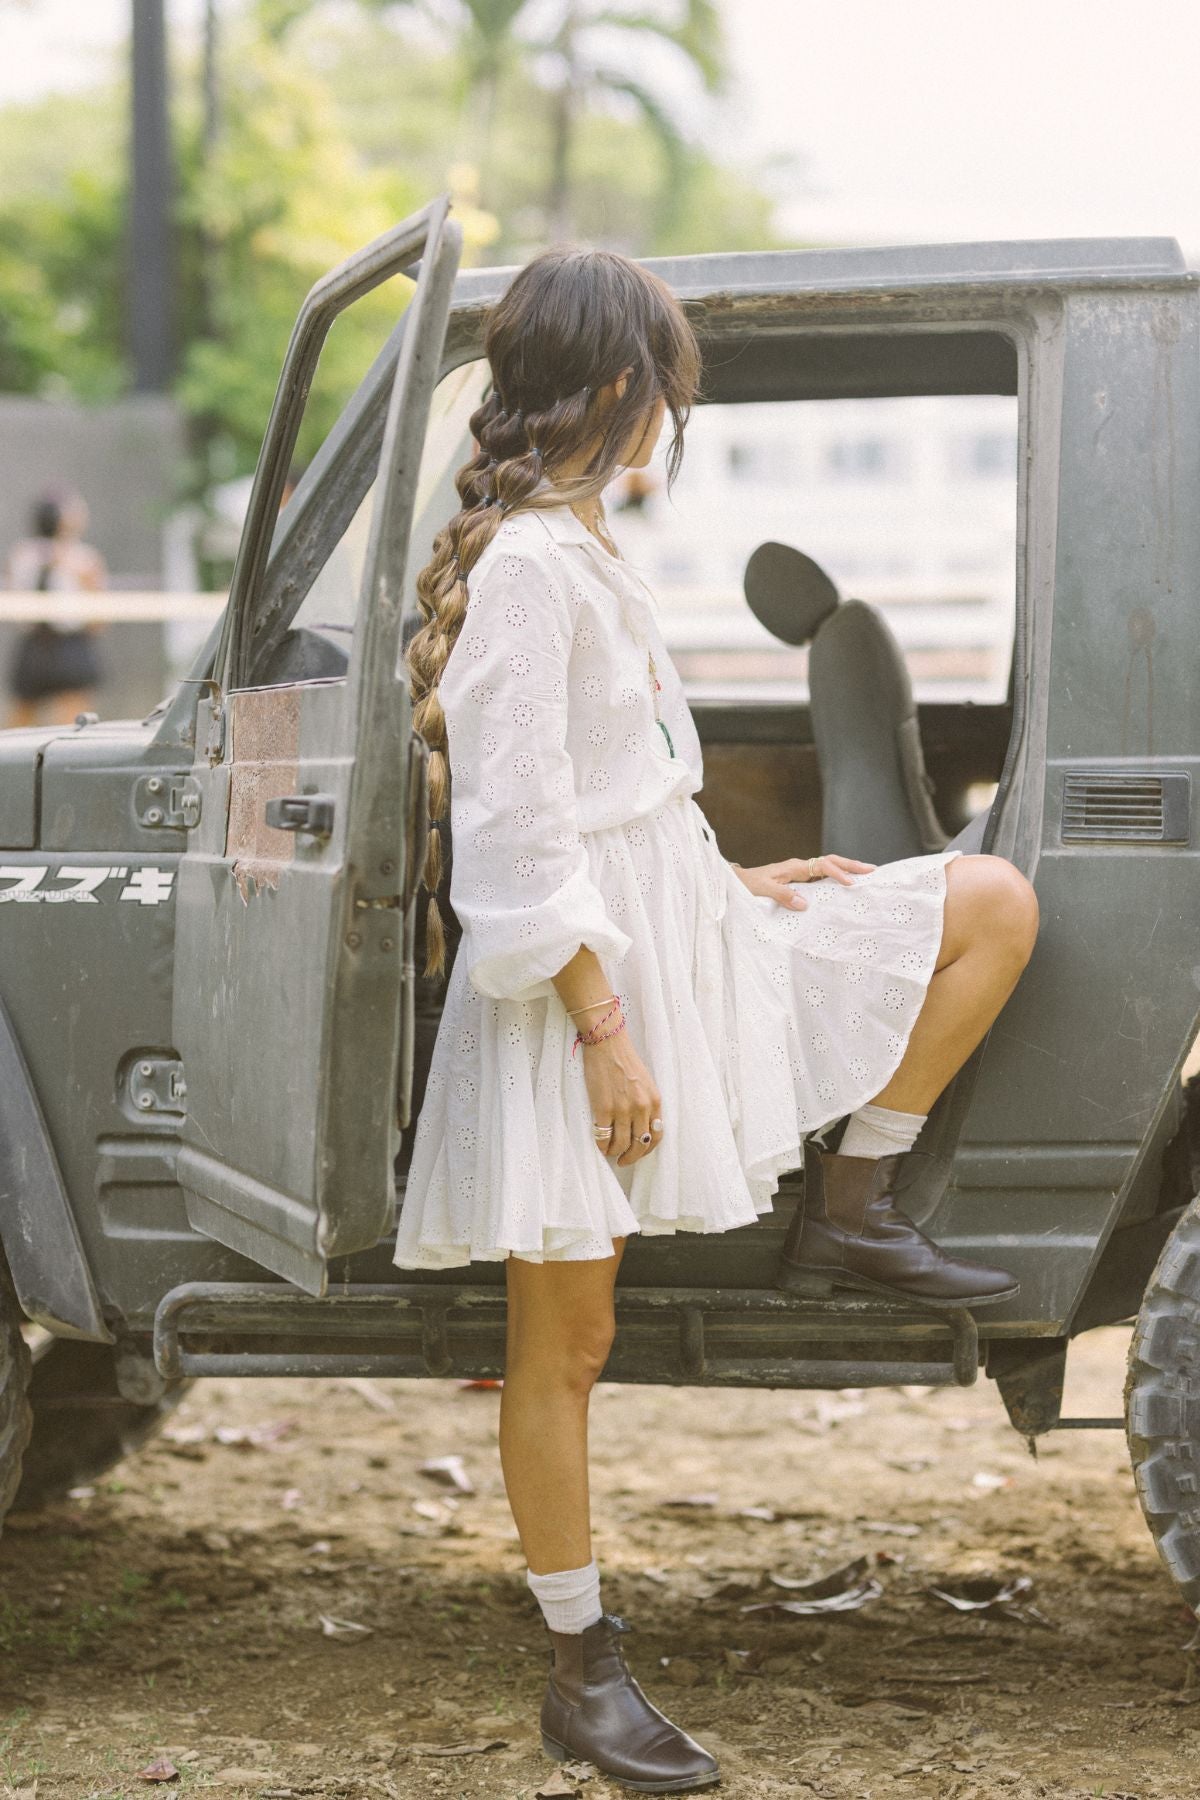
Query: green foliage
point(284, 198)
point(627, 190)
point(334, 122)
point(61, 244)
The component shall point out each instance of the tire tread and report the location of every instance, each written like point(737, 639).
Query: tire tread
point(1162, 1404)
point(16, 1414)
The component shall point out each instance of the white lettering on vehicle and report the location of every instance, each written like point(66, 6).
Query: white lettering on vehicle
point(149, 886)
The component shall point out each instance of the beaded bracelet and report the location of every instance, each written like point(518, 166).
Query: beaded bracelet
point(596, 1037)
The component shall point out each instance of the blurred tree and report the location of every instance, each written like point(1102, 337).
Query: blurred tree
point(269, 206)
point(398, 108)
point(303, 129)
point(579, 44)
point(62, 252)
point(591, 52)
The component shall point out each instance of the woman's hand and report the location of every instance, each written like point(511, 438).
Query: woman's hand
point(623, 1095)
point(774, 879)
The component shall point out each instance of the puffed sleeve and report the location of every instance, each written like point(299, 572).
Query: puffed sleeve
point(520, 884)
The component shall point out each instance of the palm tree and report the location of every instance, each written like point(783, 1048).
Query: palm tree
point(490, 52)
point(577, 44)
point(484, 37)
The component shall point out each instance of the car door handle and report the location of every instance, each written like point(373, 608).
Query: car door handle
point(311, 813)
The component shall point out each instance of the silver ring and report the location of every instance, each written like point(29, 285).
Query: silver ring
point(656, 1125)
point(602, 1131)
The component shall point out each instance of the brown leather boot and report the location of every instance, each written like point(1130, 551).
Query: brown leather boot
point(595, 1710)
point(848, 1230)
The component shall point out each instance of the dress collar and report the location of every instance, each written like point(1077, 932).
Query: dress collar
point(634, 591)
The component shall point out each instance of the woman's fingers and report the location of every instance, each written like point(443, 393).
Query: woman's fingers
point(622, 1135)
point(623, 1097)
point(833, 869)
point(788, 896)
point(848, 862)
point(640, 1123)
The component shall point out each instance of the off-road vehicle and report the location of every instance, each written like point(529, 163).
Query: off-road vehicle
point(212, 1034)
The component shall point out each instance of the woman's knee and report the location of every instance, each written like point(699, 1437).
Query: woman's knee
point(1004, 902)
point(570, 1350)
point(586, 1348)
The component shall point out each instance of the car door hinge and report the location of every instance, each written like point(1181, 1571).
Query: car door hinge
point(167, 802)
point(156, 1085)
point(214, 737)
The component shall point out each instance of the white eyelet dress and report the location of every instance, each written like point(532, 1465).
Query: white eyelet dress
point(573, 822)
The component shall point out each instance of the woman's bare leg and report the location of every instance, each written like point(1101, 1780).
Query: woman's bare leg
point(560, 1331)
point(989, 930)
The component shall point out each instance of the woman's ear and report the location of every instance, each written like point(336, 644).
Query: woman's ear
point(622, 381)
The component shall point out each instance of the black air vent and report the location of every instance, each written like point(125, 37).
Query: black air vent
point(1119, 807)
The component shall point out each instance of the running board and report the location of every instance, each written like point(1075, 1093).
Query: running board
point(741, 1337)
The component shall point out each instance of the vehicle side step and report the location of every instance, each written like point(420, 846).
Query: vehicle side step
point(739, 1337)
point(700, 1336)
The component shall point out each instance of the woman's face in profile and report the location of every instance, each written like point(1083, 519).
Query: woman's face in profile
point(640, 446)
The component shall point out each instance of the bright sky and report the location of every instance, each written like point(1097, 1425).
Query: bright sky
point(939, 120)
point(923, 121)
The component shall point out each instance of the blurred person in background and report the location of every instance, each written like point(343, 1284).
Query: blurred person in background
point(55, 668)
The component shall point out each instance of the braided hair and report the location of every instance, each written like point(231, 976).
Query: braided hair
point(567, 325)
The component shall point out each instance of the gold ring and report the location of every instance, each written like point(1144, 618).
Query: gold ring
point(812, 869)
point(602, 1131)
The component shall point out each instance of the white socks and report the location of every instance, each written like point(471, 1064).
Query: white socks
point(569, 1598)
point(878, 1131)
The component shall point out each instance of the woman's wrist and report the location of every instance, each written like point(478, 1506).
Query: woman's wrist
point(592, 1005)
point(606, 1026)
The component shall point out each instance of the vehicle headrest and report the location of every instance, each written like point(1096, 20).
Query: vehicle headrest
point(788, 592)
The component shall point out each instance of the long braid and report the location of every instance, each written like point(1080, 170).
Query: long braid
point(505, 471)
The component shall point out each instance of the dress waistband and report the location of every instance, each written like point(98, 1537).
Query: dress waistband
point(713, 890)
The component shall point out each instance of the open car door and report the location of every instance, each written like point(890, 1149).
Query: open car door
point(296, 898)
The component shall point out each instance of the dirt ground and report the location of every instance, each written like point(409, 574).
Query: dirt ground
point(177, 1610)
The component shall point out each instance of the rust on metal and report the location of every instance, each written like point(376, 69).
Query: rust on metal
point(264, 725)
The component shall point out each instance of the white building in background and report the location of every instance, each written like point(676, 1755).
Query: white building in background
point(908, 503)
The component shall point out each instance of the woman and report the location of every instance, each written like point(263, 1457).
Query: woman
point(55, 667)
point(637, 1034)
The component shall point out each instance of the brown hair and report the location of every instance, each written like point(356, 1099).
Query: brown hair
point(568, 323)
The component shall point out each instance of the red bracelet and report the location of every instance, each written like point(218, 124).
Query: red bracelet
point(594, 1035)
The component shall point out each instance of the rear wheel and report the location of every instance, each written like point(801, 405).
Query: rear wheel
point(16, 1415)
point(1162, 1404)
point(82, 1423)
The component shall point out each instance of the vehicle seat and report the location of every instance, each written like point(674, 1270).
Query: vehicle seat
point(877, 796)
point(302, 655)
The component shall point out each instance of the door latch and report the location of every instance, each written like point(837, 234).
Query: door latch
point(156, 1084)
point(167, 802)
point(311, 813)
